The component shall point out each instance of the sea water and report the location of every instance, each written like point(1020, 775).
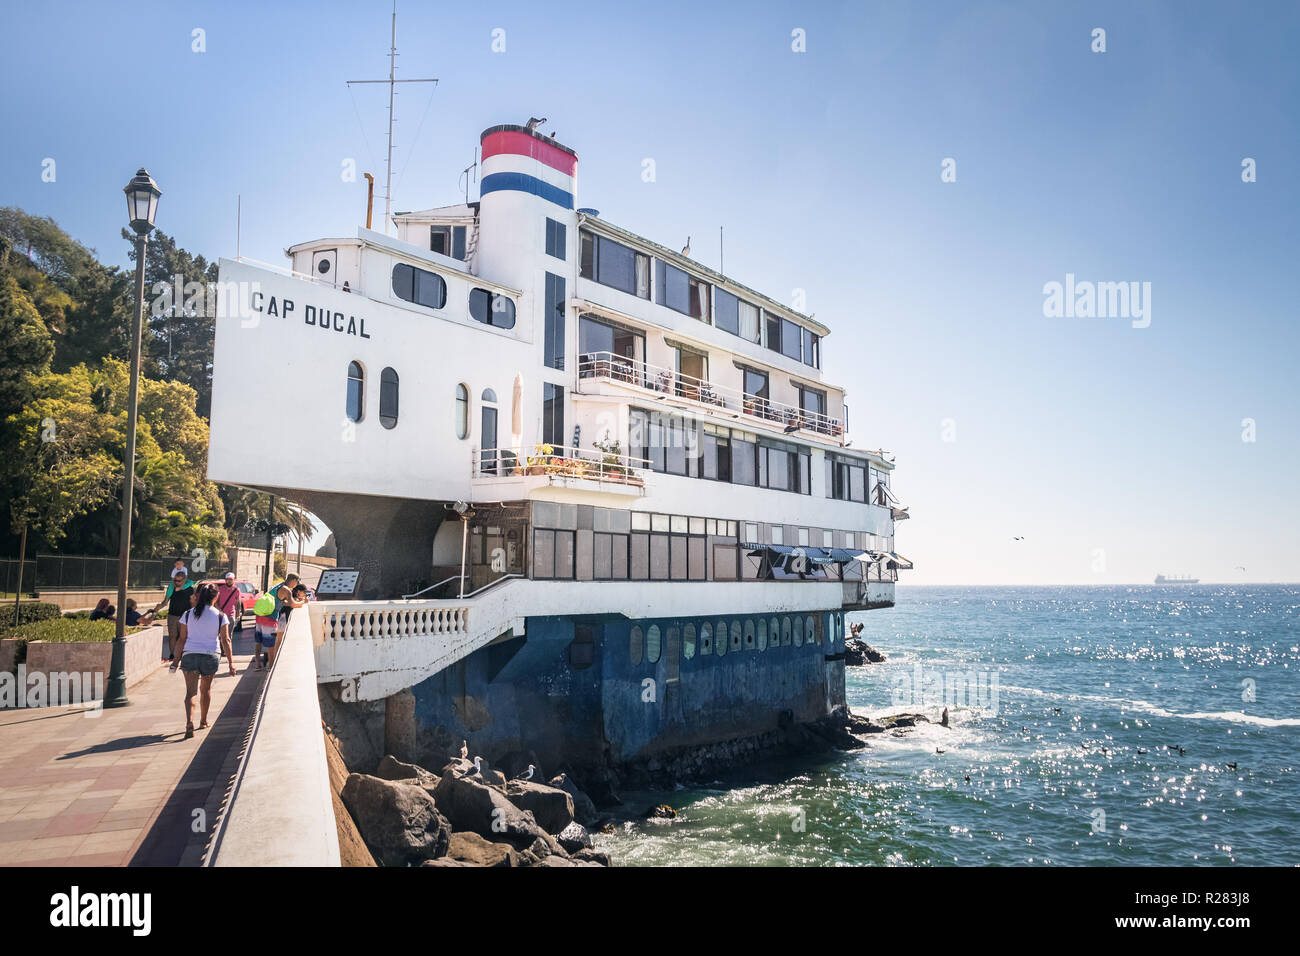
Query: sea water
point(1064, 758)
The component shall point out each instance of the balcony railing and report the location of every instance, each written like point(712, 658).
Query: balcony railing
point(562, 461)
point(666, 381)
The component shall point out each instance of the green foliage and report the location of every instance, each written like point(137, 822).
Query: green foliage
point(64, 630)
point(29, 612)
point(26, 345)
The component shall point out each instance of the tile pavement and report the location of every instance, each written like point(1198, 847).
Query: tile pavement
point(124, 787)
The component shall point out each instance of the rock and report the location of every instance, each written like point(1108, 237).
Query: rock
point(541, 848)
point(599, 857)
point(473, 806)
point(496, 778)
point(390, 768)
point(574, 838)
point(515, 764)
point(897, 721)
point(660, 812)
point(584, 810)
point(858, 652)
point(473, 849)
point(399, 823)
point(552, 806)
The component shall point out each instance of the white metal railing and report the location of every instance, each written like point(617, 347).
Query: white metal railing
point(666, 381)
point(560, 460)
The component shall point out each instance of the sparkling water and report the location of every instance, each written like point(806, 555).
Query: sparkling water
point(1067, 707)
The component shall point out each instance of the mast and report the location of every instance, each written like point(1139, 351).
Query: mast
point(392, 82)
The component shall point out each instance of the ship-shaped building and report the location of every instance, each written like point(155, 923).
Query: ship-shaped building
point(601, 500)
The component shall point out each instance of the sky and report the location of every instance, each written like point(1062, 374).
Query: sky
point(1116, 448)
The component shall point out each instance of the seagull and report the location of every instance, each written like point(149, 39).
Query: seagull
point(687, 250)
point(968, 778)
point(1021, 538)
point(1056, 710)
point(464, 750)
point(1182, 752)
point(1171, 746)
point(1231, 766)
point(1141, 751)
point(478, 769)
point(938, 751)
point(527, 774)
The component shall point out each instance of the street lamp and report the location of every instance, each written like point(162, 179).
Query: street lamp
point(141, 205)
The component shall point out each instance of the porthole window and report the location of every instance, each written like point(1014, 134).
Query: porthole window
point(798, 631)
point(388, 398)
point(785, 632)
point(706, 640)
point(356, 402)
point(634, 645)
point(720, 644)
point(419, 286)
point(749, 635)
point(810, 630)
point(735, 636)
point(688, 641)
point(774, 638)
point(462, 412)
point(652, 644)
point(762, 634)
point(492, 308)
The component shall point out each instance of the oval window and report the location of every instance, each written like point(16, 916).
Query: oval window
point(634, 646)
point(688, 641)
point(785, 632)
point(762, 634)
point(720, 644)
point(388, 398)
point(735, 635)
point(706, 640)
point(810, 630)
point(462, 412)
point(798, 631)
point(749, 635)
point(652, 644)
point(356, 391)
point(418, 286)
point(774, 639)
point(491, 308)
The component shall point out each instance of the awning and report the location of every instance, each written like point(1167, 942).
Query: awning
point(844, 555)
point(897, 559)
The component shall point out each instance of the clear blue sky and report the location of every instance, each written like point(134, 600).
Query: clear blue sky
point(824, 166)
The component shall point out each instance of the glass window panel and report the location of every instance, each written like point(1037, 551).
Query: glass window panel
point(615, 265)
point(659, 557)
point(674, 288)
point(602, 565)
point(635, 645)
point(652, 644)
point(724, 562)
point(688, 641)
point(543, 554)
point(640, 521)
point(564, 554)
point(748, 322)
point(749, 635)
point(735, 636)
point(640, 556)
point(659, 522)
point(618, 554)
point(678, 524)
point(699, 570)
point(388, 398)
point(726, 311)
point(791, 340)
point(677, 553)
point(720, 644)
point(706, 639)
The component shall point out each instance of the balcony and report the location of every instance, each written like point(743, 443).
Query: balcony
point(707, 396)
point(609, 469)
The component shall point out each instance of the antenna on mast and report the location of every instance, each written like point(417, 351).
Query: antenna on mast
point(465, 174)
point(392, 82)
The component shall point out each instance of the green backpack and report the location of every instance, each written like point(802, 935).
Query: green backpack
point(264, 606)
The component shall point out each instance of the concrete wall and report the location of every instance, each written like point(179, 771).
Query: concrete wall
point(94, 658)
point(280, 811)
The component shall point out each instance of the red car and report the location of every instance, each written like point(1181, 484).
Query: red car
point(247, 598)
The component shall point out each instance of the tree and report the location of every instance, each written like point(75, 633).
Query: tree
point(26, 345)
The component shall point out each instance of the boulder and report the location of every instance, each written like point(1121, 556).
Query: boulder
point(541, 848)
point(473, 849)
point(574, 837)
point(599, 857)
point(400, 823)
point(390, 768)
point(552, 806)
point(584, 810)
point(473, 806)
point(496, 778)
point(660, 812)
point(858, 652)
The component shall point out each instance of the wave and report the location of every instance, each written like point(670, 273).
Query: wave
point(1154, 710)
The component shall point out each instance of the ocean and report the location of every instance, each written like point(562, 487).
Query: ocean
point(1064, 704)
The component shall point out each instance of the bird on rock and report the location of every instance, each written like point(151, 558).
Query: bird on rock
point(478, 769)
point(464, 750)
point(527, 774)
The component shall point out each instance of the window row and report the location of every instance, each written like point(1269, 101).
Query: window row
point(676, 445)
point(853, 480)
point(621, 267)
point(355, 402)
point(647, 645)
point(428, 289)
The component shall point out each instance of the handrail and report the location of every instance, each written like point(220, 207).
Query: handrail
point(656, 378)
point(454, 577)
point(492, 584)
point(561, 461)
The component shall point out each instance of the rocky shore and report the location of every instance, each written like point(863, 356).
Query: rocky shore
point(858, 652)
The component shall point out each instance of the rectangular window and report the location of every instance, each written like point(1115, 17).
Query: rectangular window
point(772, 324)
point(724, 562)
point(791, 340)
point(659, 557)
point(640, 555)
point(700, 300)
point(857, 483)
point(448, 241)
point(618, 556)
point(726, 311)
point(543, 554)
point(602, 565)
point(564, 551)
point(749, 322)
point(812, 349)
point(698, 568)
point(555, 238)
point(553, 329)
point(553, 414)
point(744, 468)
point(614, 264)
point(677, 557)
point(674, 287)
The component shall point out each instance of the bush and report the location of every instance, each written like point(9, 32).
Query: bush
point(29, 612)
point(67, 629)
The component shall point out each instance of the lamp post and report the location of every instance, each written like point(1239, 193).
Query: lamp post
point(142, 204)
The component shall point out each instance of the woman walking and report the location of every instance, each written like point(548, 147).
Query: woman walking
point(203, 629)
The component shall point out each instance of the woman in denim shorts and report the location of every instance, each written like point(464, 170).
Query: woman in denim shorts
point(203, 629)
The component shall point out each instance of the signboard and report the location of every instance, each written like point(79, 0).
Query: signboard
point(337, 584)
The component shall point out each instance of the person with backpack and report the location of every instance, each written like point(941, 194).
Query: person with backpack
point(228, 597)
point(203, 631)
point(179, 598)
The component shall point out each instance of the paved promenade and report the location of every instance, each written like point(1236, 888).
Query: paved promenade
point(122, 787)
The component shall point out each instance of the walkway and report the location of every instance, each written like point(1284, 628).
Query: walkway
point(123, 786)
